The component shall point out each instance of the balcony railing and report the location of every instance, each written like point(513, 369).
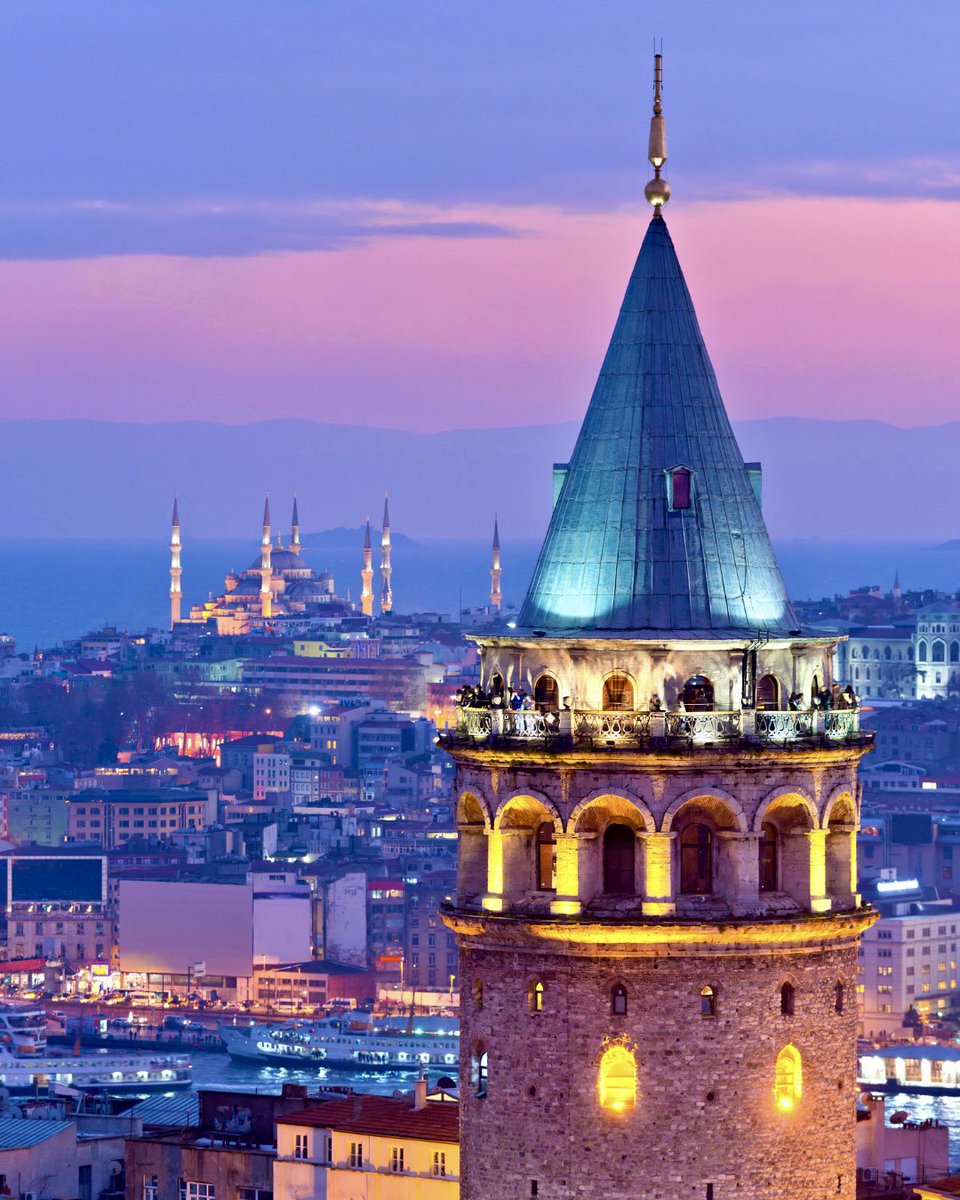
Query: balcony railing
point(591, 727)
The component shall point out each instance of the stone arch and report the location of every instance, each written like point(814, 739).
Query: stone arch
point(724, 809)
point(786, 803)
point(621, 805)
point(526, 808)
point(473, 810)
point(546, 691)
point(841, 808)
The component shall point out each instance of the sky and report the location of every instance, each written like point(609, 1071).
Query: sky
point(423, 215)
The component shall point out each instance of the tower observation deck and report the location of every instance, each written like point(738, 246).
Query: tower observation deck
point(656, 903)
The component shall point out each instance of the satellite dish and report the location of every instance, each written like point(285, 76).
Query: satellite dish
point(898, 1117)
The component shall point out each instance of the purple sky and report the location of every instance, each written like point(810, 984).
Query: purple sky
point(423, 215)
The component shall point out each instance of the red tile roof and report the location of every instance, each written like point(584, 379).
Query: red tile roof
point(383, 1116)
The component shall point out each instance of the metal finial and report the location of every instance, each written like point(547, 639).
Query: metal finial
point(657, 190)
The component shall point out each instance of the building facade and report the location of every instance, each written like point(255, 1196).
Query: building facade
point(656, 905)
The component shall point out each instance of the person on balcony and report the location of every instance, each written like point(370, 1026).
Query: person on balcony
point(796, 701)
point(656, 704)
point(516, 703)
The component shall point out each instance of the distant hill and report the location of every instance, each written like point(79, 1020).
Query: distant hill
point(349, 539)
point(857, 480)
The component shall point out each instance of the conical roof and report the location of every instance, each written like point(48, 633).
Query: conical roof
point(622, 554)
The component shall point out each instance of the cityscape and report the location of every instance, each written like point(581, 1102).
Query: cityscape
point(615, 865)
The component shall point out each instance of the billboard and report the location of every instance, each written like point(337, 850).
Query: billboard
point(68, 879)
point(168, 926)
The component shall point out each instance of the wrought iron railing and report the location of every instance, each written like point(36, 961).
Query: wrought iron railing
point(475, 722)
point(612, 726)
point(704, 726)
point(530, 724)
point(784, 726)
point(841, 723)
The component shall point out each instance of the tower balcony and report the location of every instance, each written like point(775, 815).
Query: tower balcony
point(575, 728)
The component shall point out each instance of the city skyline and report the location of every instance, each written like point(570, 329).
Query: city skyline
point(232, 211)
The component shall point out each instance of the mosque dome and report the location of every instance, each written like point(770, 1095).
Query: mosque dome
point(281, 560)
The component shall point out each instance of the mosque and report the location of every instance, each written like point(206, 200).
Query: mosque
point(279, 583)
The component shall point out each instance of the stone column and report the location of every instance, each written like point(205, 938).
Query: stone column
point(841, 866)
point(658, 874)
point(803, 873)
point(509, 867)
point(738, 870)
point(471, 862)
point(566, 879)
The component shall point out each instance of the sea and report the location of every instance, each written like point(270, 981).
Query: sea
point(51, 590)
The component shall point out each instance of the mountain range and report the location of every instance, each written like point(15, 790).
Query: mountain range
point(835, 480)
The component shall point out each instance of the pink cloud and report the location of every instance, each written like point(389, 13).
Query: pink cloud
point(828, 308)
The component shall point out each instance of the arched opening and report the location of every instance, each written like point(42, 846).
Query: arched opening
point(617, 1079)
point(697, 694)
point(788, 996)
point(619, 861)
point(768, 693)
point(618, 1000)
point(617, 694)
point(814, 691)
point(696, 859)
point(841, 853)
point(473, 844)
point(478, 994)
point(955, 652)
point(921, 651)
point(838, 997)
point(887, 653)
point(546, 857)
point(708, 1001)
point(535, 996)
point(480, 1070)
point(788, 1079)
point(514, 869)
point(496, 685)
point(546, 693)
point(769, 857)
point(938, 651)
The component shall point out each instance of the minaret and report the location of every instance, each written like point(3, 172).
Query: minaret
point(386, 570)
point(656, 904)
point(175, 570)
point(266, 571)
point(897, 589)
point(295, 529)
point(366, 575)
point(496, 596)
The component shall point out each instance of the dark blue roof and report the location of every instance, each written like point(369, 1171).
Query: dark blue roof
point(616, 557)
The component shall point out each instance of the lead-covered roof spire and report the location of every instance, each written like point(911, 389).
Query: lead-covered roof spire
point(657, 190)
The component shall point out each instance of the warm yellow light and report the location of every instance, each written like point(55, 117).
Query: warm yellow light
point(786, 1103)
point(617, 1078)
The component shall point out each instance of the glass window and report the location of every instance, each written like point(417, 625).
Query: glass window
point(301, 1145)
point(697, 694)
point(535, 997)
point(680, 488)
point(696, 860)
point(617, 694)
point(618, 1000)
point(356, 1154)
point(195, 1189)
point(439, 1162)
point(788, 1079)
point(617, 1079)
point(768, 692)
point(708, 1001)
point(546, 856)
point(396, 1159)
point(151, 1188)
point(619, 860)
point(546, 693)
point(787, 999)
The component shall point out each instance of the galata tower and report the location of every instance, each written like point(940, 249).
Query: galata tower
point(656, 903)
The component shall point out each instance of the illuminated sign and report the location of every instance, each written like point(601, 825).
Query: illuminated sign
point(898, 885)
point(99, 968)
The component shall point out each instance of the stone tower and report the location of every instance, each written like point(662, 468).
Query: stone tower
point(366, 575)
point(176, 571)
point(656, 904)
point(496, 572)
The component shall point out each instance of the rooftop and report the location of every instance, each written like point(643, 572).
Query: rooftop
point(384, 1116)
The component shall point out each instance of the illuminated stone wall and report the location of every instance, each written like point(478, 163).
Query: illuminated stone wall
point(705, 1109)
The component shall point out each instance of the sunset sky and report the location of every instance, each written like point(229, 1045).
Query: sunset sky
point(423, 215)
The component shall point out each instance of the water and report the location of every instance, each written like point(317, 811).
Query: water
point(945, 1109)
point(56, 589)
point(220, 1071)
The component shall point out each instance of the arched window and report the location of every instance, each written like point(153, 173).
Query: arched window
point(708, 1001)
point(886, 653)
point(496, 685)
point(696, 859)
point(853, 652)
point(921, 651)
point(617, 694)
point(478, 994)
point(546, 856)
point(838, 997)
point(546, 693)
point(697, 694)
point(619, 861)
point(769, 857)
point(535, 996)
point(618, 1000)
point(768, 692)
point(479, 1065)
point(955, 652)
point(788, 1079)
point(787, 997)
point(617, 1079)
point(938, 651)
point(679, 488)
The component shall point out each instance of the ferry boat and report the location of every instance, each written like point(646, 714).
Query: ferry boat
point(28, 1067)
point(374, 1043)
point(929, 1070)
